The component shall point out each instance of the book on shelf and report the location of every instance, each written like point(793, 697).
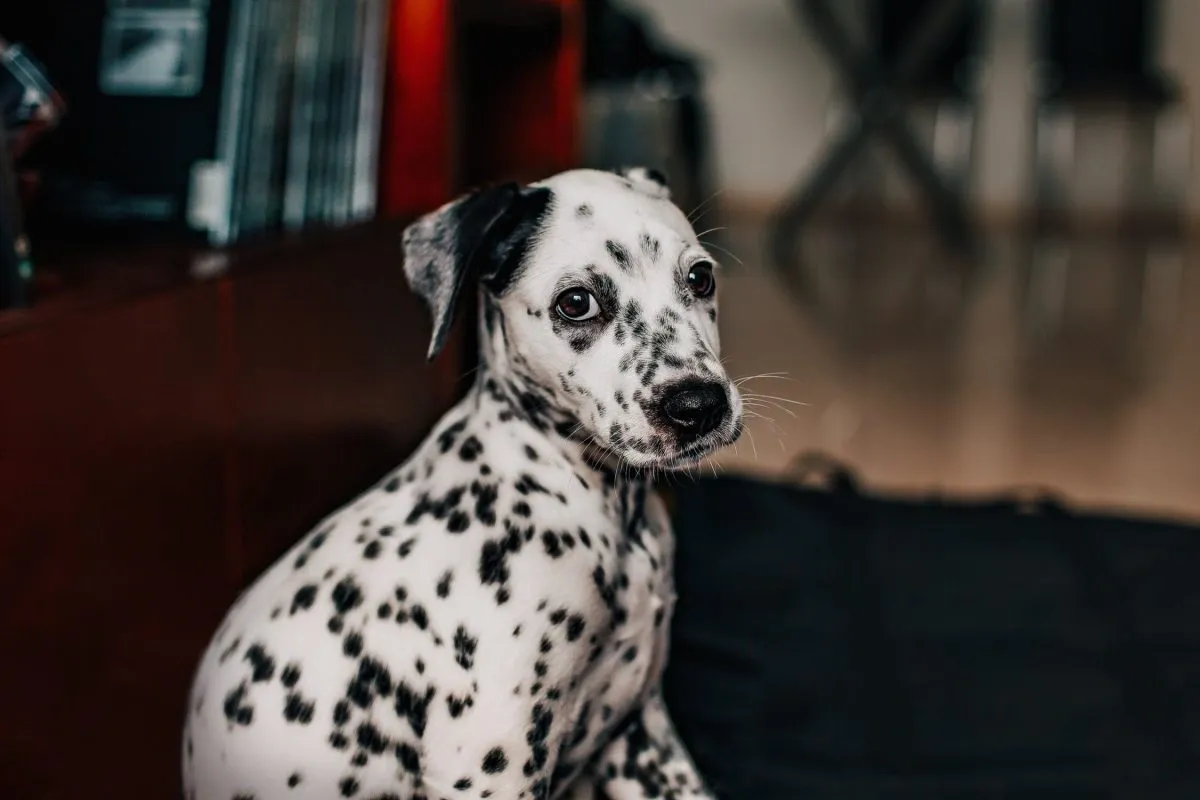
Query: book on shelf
point(301, 134)
point(221, 119)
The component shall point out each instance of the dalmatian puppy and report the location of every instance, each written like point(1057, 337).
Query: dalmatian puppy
point(491, 619)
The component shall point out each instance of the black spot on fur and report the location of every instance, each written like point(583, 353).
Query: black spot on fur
point(290, 676)
point(575, 626)
point(656, 176)
point(471, 449)
point(449, 435)
point(527, 484)
point(464, 648)
point(620, 254)
point(458, 522)
point(346, 595)
point(236, 710)
point(419, 617)
point(551, 542)
point(443, 584)
point(370, 739)
point(536, 735)
point(439, 508)
point(485, 502)
point(455, 705)
point(304, 598)
point(262, 664)
point(583, 211)
point(408, 757)
point(492, 563)
point(296, 709)
point(650, 246)
point(495, 761)
point(414, 707)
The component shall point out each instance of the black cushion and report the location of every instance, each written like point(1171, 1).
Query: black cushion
point(830, 644)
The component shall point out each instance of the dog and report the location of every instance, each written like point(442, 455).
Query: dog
point(491, 619)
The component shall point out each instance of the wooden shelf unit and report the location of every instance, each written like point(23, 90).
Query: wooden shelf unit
point(173, 418)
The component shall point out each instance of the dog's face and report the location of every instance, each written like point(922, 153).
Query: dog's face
point(598, 297)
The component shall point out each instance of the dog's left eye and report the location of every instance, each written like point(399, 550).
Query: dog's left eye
point(701, 280)
point(576, 305)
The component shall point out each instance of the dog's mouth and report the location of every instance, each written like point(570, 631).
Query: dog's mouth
point(694, 452)
point(681, 456)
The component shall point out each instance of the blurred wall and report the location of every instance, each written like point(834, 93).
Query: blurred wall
point(771, 92)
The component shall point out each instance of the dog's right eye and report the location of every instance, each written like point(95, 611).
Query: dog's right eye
point(576, 305)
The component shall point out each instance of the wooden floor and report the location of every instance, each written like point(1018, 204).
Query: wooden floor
point(1073, 368)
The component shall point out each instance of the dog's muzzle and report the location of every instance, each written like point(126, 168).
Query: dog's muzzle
point(695, 408)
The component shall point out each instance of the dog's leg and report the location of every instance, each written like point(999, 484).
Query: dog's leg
point(648, 760)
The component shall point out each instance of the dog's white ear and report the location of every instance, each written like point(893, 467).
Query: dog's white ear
point(647, 180)
point(482, 236)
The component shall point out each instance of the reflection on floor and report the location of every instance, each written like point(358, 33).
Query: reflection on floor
point(1075, 369)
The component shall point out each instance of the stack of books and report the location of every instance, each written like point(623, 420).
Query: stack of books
point(297, 141)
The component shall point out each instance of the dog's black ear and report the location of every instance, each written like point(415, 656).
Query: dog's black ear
point(482, 236)
point(647, 180)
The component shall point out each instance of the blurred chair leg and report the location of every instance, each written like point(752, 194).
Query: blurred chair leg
point(797, 210)
point(876, 93)
point(947, 203)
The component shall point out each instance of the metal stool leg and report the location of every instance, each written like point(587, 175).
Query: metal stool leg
point(877, 96)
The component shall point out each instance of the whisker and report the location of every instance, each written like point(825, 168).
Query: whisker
point(782, 376)
point(757, 403)
point(710, 230)
point(760, 396)
point(769, 420)
point(725, 251)
point(691, 216)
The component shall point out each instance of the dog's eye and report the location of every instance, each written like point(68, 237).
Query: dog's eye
point(701, 280)
point(576, 305)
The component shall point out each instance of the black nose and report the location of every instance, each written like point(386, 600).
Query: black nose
point(696, 408)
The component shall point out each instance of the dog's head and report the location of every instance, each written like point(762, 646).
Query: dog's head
point(599, 303)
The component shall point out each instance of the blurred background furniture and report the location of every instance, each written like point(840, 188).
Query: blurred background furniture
point(29, 108)
point(1100, 82)
point(840, 642)
point(175, 414)
point(645, 103)
point(914, 47)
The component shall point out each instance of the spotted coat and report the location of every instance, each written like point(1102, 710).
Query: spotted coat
point(490, 620)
